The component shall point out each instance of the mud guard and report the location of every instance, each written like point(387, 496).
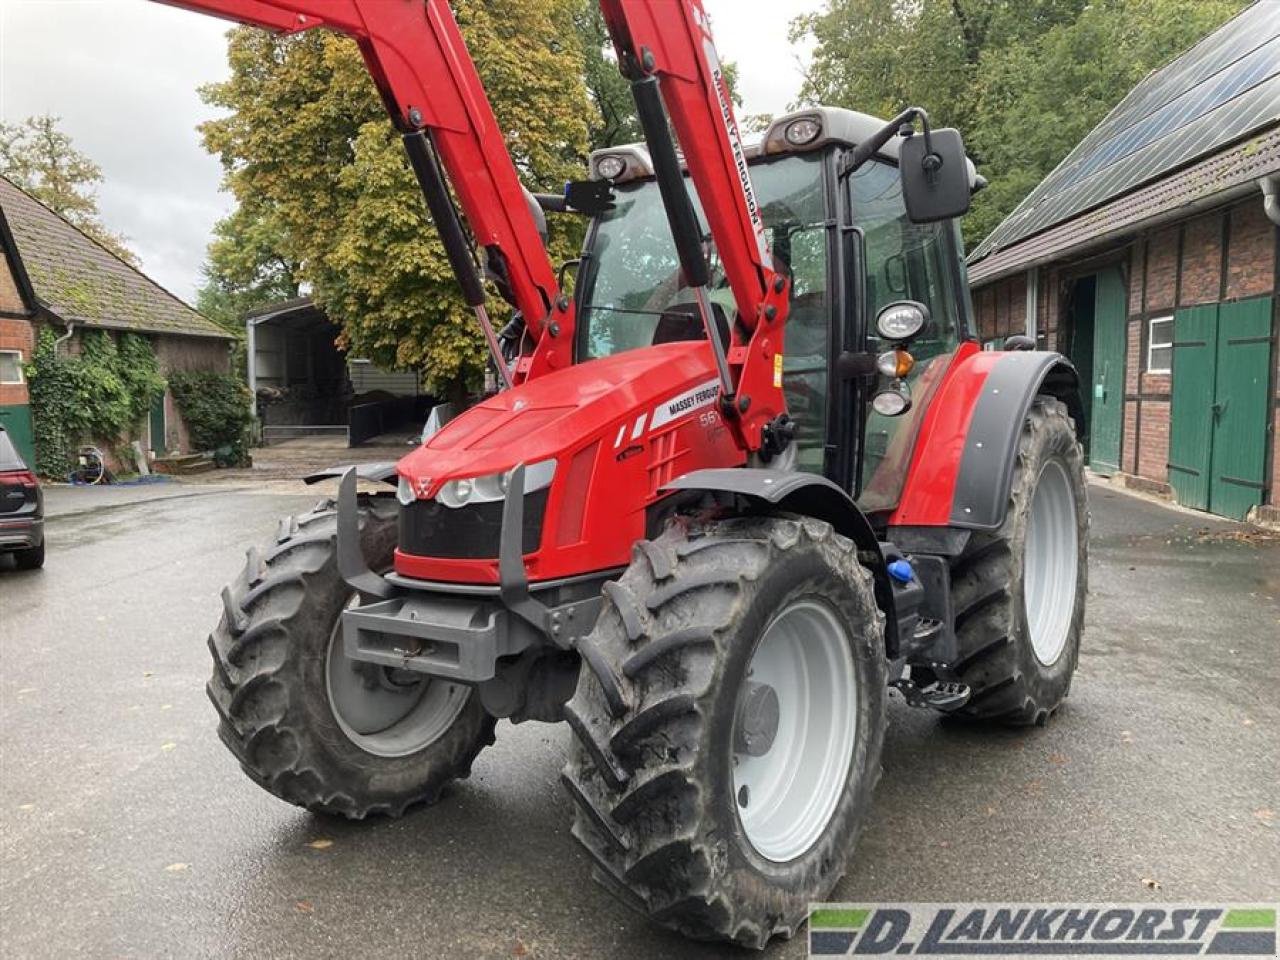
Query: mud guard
point(813, 496)
point(376, 472)
point(963, 463)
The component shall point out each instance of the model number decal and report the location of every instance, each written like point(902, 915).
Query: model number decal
point(695, 398)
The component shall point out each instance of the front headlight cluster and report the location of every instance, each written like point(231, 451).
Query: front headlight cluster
point(485, 489)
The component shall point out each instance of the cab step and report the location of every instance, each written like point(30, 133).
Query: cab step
point(938, 695)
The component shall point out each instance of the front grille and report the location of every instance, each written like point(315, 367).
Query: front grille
point(430, 529)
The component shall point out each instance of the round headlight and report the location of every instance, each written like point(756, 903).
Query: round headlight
point(902, 320)
point(455, 493)
point(891, 402)
point(802, 131)
point(493, 486)
point(610, 167)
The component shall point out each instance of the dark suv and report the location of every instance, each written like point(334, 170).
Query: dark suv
point(21, 508)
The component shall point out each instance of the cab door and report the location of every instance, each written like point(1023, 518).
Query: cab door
point(901, 260)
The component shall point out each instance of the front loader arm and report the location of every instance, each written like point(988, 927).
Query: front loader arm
point(429, 83)
point(666, 46)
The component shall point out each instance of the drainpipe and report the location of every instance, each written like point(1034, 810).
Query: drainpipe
point(1271, 197)
point(71, 328)
point(1033, 301)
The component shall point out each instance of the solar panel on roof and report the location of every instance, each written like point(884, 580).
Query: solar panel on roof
point(1220, 90)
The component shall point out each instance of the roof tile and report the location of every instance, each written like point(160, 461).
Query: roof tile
point(81, 281)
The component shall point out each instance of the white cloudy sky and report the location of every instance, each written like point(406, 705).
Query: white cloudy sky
point(122, 75)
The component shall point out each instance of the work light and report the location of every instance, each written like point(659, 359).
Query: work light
point(610, 167)
point(802, 131)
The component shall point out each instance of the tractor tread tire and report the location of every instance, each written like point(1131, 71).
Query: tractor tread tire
point(643, 797)
point(269, 651)
point(1007, 683)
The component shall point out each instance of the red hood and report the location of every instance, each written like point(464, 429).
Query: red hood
point(556, 414)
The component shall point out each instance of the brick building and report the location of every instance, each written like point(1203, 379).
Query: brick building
point(1149, 257)
point(17, 340)
point(51, 273)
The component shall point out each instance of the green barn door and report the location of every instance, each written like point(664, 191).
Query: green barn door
point(1107, 408)
point(1195, 337)
point(1239, 409)
point(17, 421)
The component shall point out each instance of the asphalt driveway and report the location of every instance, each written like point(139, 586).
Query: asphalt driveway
point(126, 830)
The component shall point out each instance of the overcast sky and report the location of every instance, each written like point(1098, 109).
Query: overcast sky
point(122, 75)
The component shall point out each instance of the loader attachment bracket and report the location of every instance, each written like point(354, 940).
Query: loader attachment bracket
point(352, 565)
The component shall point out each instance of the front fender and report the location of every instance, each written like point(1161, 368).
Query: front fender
point(962, 465)
point(810, 495)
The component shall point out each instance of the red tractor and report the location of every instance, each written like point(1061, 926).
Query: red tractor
point(750, 472)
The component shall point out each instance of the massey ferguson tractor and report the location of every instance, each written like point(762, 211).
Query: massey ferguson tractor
point(751, 471)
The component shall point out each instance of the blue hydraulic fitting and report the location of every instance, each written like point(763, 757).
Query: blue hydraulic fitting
point(901, 571)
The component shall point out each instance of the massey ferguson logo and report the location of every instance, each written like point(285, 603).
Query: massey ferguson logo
point(735, 144)
point(1031, 930)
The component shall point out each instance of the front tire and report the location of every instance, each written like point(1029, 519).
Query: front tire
point(754, 640)
point(1020, 592)
point(306, 723)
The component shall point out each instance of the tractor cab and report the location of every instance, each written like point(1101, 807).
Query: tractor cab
point(845, 240)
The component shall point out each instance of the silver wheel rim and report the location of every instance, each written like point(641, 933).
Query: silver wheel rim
point(388, 713)
point(787, 796)
point(1049, 563)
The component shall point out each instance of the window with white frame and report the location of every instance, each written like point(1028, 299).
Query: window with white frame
point(1160, 345)
point(10, 366)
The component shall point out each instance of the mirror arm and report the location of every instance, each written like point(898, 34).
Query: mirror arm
point(868, 148)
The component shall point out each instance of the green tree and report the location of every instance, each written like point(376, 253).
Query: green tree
point(324, 188)
point(1041, 95)
point(1024, 82)
point(42, 160)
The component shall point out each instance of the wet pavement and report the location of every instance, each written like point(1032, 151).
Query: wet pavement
point(126, 830)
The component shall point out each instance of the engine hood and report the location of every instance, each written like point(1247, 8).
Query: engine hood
point(558, 413)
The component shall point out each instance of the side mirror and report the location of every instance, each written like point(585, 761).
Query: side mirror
point(935, 176)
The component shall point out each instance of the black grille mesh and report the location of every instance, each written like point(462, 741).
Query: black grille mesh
point(430, 529)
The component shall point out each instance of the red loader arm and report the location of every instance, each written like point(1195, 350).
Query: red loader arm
point(667, 45)
point(428, 81)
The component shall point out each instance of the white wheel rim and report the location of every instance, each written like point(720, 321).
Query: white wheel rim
point(792, 790)
point(388, 714)
point(1049, 563)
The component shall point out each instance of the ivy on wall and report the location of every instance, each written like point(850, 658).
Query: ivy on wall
point(216, 409)
point(102, 393)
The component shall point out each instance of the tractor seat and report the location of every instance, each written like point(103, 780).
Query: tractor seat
point(682, 321)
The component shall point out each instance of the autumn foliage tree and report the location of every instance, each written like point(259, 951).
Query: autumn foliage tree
point(326, 198)
point(41, 159)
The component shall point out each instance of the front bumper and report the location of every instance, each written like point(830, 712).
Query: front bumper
point(23, 533)
point(454, 630)
point(443, 634)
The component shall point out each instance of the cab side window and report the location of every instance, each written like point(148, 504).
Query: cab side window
point(904, 260)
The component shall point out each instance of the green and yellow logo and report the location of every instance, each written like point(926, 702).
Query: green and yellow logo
point(1030, 930)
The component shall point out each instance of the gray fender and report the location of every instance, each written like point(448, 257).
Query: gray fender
point(981, 496)
point(377, 472)
point(809, 495)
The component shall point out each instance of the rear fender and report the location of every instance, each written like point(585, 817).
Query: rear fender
point(962, 466)
point(809, 495)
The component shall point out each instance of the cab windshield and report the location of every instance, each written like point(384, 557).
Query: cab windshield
point(633, 295)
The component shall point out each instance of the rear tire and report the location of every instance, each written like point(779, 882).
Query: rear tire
point(31, 558)
point(290, 704)
point(656, 717)
point(1020, 592)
